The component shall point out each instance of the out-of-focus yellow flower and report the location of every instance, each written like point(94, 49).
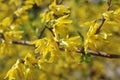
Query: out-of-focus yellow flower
point(13, 35)
point(108, 15)
point(22, 19)
point(29, 74)
point(112, 15)
point(29, 2)
point(16, 2)
point(59, 9)
point(38, 2)
point(117, 15)
point(17, 72)
point(88, 23)
point(6, 22)
point(22, 10)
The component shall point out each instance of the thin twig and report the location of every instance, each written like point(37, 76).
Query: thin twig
point(1, 36)
point(116, 33)
point(22, 42)
point(100, 26)
point(103, 54)
point(27, 43)
point(103, 19)
point(41, 33)
point(100, 54)
point(60, 2)
point(109, 5)
point(50, 29)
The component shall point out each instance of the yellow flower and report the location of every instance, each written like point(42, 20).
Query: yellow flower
point(59, 9)
point(22, 10)
point(13, 35)
point(47, 48)
point(108, 15)
point(30, 60)
point(46, 17)
point(59, 28)
point(70, 44)
point(90, 40)
point(117, 15)
point(62, 21)
point(29, 2)
point(17, 72)
point(6, 22)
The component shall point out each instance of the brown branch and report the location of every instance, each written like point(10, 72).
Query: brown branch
point(42, 31)
point(1, 36)
point(100, 26)
point(103, 54)
point(116, 33)
point(100, 53)
point(27, 43)
point(103, 19)
point(22, 42)
point(59, 2)
point(50, 29)
point(94, 53)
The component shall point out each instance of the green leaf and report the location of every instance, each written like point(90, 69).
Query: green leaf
point(85, 58)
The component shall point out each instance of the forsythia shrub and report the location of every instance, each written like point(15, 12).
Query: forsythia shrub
point(59, 39)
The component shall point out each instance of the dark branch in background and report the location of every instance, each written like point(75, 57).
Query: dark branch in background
point(1, 36)
point(103, 19)
point(42, 31)
point(50, 29)
point(116, 33)
point(103, 54)
point(27, 43)
point(109, 5)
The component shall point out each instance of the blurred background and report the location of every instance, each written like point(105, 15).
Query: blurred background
point(65, 68)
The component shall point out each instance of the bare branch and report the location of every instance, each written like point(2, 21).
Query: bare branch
point(50, 29)
point(1, 36)
point(109, 5)
point(100, 53)
point(60, 2)
point(42, 31)
point(103, 19)
point(94, 53)
point(116, 33)
point(103, 54)
point(100, 26)
point(27, 43)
